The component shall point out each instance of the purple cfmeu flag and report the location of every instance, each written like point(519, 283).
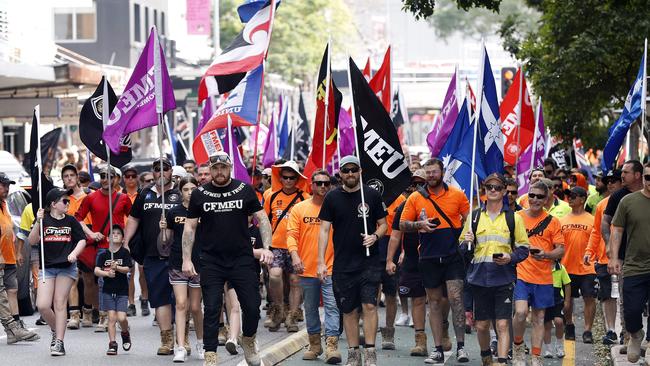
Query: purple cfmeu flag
point(136, 108)
point(346, 141)
point(449, 113)
point(533, 156)
point(206, 113)
point(239, 169)
point(270, 154)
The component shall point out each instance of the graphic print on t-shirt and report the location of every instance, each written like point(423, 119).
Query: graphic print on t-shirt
point(53, 234)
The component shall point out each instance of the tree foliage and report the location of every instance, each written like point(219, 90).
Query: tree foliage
point(423, 9)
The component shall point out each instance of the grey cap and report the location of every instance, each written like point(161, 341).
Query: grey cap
point(350, 159)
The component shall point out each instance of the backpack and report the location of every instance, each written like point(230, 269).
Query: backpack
point(510, 220)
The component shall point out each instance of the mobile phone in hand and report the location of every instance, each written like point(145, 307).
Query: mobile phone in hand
point(435, 221)
point(535, 250)
point(497, 255)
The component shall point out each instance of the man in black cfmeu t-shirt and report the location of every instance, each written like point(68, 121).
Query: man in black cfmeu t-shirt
point(223, 206)
point(356, 273)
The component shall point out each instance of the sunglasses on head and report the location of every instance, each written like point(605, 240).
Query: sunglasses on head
point(290, 177)
point(222, 159)
point(494, 187)
point(350, 170)
point(537, 196)
point(322, 183)
point(166, 168)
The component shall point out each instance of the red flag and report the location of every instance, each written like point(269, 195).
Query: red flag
point(509, 126)
point(380, 82)
point(316, 159)
point(367, 72)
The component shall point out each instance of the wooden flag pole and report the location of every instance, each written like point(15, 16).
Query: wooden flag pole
point(37, 112)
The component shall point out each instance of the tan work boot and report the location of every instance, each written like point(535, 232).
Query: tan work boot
point(332, 354)
point(223, 334)
point(634, 347)
point(16, 333)
point(486, 360)
point(387, 338)
point(102, 326)
point(87, 319)
point(210, 359)
point(75, 319)
point(420, 348)
point(519, 354)
point(277, 317)
point(290, 322)
point(269, 316)
point(315, 348)
point(369, 357)
point(251, 352)
point(354, 357)
point(446, 342)
point(166, 343)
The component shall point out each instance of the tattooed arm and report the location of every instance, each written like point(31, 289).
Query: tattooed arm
point(266, 256)
point(189, 232)
point(455, 296)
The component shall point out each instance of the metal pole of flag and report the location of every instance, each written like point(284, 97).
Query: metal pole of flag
point(519, 106)
point(328, 80)
point(179, 138)
point(471, 188)
point(230, 152)
point(39, 158)
point(105, 116)
point(356, 150)
point(260, 105)
point(292, 123)
point(533, 146)
point(644, 90)
point(159, 111)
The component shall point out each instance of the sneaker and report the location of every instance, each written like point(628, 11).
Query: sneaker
point(436, 358)
point(570, 332)
point(231, 346)
point(144, 307)
point(130, 311)
point(369, 357)
point(58, 349)
point(462, 355)
point(547, 351)
point(180, 354)
point(53, 340)
point(200, 352)
point(154, 323)
point(403, 320)
point(126, 340)
point(41, 321)
point(112, 349)
point(587, 337)
point(494, 347)
point(559, 350)
point(610, 338)
point(411, 323)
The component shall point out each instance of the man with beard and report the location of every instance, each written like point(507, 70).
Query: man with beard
point(595, 197)
point(203, 174)
point(437, 212)
point(535, 175)
point(356, 271)
point(226, 254)
point(146, 213)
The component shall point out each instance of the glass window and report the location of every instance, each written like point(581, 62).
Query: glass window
point(75, 24)
point(63, 26)
point(137, 23)
point(146, 20)
point(85, 26)
point(155, 17)
point(162, 22)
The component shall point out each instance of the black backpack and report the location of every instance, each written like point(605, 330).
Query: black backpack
point(510, 220)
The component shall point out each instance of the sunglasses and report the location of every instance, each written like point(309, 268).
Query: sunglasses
point(537, 196)
point(149, 180)
point(494, 187)
point(573, 196)
point(65, 201)
point(130, 176)
point(646, 177)
point(322, 183)
point(266, 176)
point(417, 184)
point(350, 170)
point(514, 193)
point(166, 168)
point(290, 177)
point(221, 159)
point(105, 176)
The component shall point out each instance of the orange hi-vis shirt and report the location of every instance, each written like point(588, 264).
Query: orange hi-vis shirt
point(392, 209)
point(280, 202)
point(75, 203)
point(576, 230)
point(7, 237)
point(596, 249)
point(302, 236)
point(532, 270)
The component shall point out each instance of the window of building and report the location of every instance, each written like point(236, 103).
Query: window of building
point(162, 23)
point(146, 20)
point(155, 17)
point(137, 23)
point(75, 24)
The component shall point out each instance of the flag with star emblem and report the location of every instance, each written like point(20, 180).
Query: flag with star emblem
point(489, 121)
point(456, 153)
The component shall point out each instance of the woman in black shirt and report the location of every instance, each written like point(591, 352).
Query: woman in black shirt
point(63, 241)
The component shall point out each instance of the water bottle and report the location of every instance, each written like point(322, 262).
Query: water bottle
point(423, 214)
point(615, 293)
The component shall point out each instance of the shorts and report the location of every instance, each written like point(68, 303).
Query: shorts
point(389, 282)
point(34, 255)
point(114, 302)
point(604, 282)
point(282, 259)
point(51, 272)
point(352, 289)
point(435, 273)
point(10, 280)
point(411, 285)
point(537, 296)
point(553, 312)
point(156, 272)
point(177, 277)
point(492, 302)
point(583, 285)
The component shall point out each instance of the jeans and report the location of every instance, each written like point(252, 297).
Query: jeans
point(635, 296)
point(312, 290)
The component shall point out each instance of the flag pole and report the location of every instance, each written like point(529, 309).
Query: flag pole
point(39, 158)
point(180, 140)
point(356, 150)
point(519, 106)
point(230, 152)
point(471, 188)
point(293, 134)
point(159, 111)
point(644, 90)
point(260, 105)
point(327, 98)
point(535, 136)
point(105, 116)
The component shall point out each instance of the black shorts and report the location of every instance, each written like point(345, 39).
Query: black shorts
point(411, 285)
point(352, 289)
point(493, 302)
point(604, 282)
point(388, 282)
point(435, 272)
point(583, 285)
point(553, 312)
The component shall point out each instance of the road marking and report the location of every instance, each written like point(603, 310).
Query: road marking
point(569, 353)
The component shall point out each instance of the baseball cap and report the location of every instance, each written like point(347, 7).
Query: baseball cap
point(267, 172)
point(4, 179)
point(178, 170)
point(220, 157)
point(55, 194)
point(419, 174)
point(579, 191)
point(69, 167)
point(164, 160)
point(612, 175)
point(129, 168)
point(496, 176)
point(350, 159)
point(104, 169)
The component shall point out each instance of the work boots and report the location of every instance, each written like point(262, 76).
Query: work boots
point(75, 319)
point(315, 348)
point(87, 319)
point(277, 317)
point(388, 338)
point(332, 354)
point(102, 326)
point(16, 333)
point(290, 322)
point(251, 352)
point(166, 343)
point(420, 348)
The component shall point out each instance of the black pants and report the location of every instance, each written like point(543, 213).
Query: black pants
point(635, 296)
point(244, 281)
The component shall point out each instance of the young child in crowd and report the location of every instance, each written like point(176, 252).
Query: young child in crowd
point(555, 315)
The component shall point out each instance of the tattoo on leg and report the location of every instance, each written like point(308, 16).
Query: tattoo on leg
point(455, 296)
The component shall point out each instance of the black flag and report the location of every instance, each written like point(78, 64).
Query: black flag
point(382, 159)
point(49, 143)
point(299, 136)
point(91, 127)
point(396, 111)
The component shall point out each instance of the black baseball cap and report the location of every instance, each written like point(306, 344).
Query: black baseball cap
point(612, 175)
point(69, 167)
point(55, 194)
point(4, 179)
point(579, 191)
point(129, 168)
point(164, 160)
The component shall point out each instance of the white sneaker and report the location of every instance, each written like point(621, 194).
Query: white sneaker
point(403, 320)
point(180, 354)
point(547, 351)
point(200, 352)
point(559, 350)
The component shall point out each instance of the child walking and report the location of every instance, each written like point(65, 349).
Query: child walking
point(555, 314)
point(115, 292)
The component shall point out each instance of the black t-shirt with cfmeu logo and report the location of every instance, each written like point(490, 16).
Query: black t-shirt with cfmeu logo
point(222, 234)
point(344, 210)
point(147, 207)
point(176, 221)
point(118, 285)
point(60, 237)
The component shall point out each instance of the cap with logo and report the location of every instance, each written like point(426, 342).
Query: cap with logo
point(165, 161)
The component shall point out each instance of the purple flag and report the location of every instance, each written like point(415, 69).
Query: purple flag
point(449, 113)
point(532, 158)
point(206, 113)
point(269, 146)
point(136, 108)
point(347, 133)
point(239, 169)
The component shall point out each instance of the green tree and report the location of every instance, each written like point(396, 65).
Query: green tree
point(423, 9)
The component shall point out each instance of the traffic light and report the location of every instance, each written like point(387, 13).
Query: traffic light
point(507, 78)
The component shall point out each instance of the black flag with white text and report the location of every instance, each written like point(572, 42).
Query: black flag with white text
point(299, 136)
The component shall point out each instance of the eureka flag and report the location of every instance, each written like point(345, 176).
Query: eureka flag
point(489, 121)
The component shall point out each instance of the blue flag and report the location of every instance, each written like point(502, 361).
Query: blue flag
point(456, 154)
point(283, 128)
point(631, 111)
point(490, 122)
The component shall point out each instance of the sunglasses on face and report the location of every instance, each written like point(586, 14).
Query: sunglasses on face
point(646, 177)
point(350, 170)
point(290, 177)
point(494, 187)
point(105, 176)
point(149, 180)
point(165, 168)
point(417, 184)
point(322, 183)
point(573, 196)
point(66, 201)
point(514, 193)
point(266, 177)
point(130, 176)
point(537, 196)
